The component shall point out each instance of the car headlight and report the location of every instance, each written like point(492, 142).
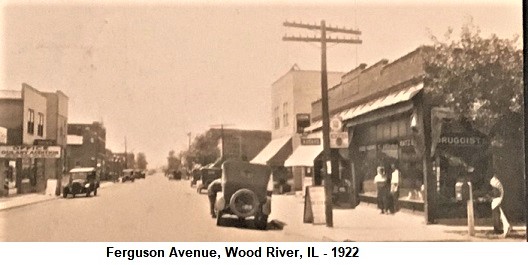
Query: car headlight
point(87, 185)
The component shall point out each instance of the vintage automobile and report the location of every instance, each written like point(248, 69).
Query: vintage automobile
point(128, 175)
point(82, 180)
point(208, 174)
point(245, 192)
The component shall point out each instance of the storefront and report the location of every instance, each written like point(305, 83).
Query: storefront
point(274, 155)
point(394, 135)
point(26, 165)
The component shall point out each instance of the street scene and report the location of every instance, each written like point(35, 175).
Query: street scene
point(262, 122)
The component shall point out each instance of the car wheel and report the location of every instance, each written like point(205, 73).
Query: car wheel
point(95, 192)
point(244, 203)
point(261, 221)
point(65, 193)
point(73, 194)
point(219, 220)
point(132, 180)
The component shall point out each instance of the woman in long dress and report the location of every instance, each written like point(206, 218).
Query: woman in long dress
point(383, 189)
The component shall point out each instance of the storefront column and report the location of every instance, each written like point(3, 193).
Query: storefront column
point(352, 154)
point(423, 116)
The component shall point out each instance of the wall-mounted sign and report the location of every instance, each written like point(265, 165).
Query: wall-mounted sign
point(461, 140)
point(336, 124)
point(303, 121)
point(30, 151)
point(338, 139)
point(48, 142)
point(310, 141)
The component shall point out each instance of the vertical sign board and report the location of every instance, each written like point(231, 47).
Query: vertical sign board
point(314, 205)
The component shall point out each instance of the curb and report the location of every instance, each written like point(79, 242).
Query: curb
point(52, 197)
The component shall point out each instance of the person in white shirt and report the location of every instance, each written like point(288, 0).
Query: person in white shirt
point(394, 189)
point(383, 191)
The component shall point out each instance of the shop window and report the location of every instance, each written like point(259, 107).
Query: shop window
point(40, 127)
point(402, 128)
point(379, 132)
point(394, 130)
point(387, 131)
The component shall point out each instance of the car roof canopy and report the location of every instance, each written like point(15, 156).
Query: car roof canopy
point(82, 170)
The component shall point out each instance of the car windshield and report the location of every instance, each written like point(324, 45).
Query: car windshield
point(79, 175)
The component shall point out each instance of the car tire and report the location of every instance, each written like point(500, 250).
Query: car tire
point(73, 194)
point(246, 197)
point(219, 220)
point(261, 221)
point(65, 193)
point(95, 192)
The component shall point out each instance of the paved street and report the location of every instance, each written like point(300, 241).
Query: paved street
point(156, 209)
point(153, 209)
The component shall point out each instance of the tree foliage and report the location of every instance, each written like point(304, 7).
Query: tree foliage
point(173, 163)
point(480, 78)
point(141, 161)
point(204, 149)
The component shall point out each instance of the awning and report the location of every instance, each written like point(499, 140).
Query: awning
point(382, 102)
point(304, 155)
point(275, 152)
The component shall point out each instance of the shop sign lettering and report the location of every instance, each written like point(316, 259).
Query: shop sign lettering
point(461, 140)
point(30, 151)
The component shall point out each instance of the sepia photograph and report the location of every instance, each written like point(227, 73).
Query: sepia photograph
point(262, 121)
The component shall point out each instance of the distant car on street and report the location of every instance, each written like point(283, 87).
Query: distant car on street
point(128, 175)
point(245, 192)
point(81, 181)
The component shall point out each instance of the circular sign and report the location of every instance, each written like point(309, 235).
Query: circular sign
point(336, 124)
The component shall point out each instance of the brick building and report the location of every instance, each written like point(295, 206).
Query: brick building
point(86, 145)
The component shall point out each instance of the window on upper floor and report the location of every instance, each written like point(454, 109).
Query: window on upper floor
point(31, 121)
point(276, 118)
point(285, 118)
point(40, 127)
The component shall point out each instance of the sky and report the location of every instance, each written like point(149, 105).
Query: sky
point(154, 71)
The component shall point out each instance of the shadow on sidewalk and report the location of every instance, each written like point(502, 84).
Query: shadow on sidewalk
point(489, 234)
point(249, 224)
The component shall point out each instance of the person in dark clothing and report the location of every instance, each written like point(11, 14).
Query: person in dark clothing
point(212, 190)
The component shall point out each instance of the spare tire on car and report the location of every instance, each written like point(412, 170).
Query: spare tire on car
point(244, 203)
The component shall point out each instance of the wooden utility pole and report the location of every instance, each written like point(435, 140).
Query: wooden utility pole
point(222, 136)
point(327, 154)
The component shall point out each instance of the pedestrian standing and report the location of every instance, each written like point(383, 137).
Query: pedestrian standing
point(213, 188)
point(500, 222)
point(382, 189)
point(394, 189)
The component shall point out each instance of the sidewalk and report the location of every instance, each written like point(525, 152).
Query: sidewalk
point(366, 224)
point(16, 201)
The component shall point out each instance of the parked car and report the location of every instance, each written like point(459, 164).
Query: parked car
point(196, 174)
point(208, 175)
point(81, 181)
point(128, 175)
point(245, 192)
